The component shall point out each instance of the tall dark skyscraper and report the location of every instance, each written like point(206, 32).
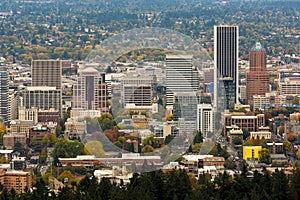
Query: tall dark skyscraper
point(3, 93)
point(257, 79)
point(226, 66)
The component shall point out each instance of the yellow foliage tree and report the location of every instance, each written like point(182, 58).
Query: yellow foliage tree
point(95, 148)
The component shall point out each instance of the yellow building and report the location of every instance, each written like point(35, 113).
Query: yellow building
point(251, 152)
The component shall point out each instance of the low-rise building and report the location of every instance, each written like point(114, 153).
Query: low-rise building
point(17, 180)
point(37, 133)
point(20, 127)
point(261, 134)
point(251, 152)
point(245, 122)
point(275, 147)
point(9, 140)
point(235, 132)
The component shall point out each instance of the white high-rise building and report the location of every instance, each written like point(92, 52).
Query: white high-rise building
point(205, 119)
point(137, 90)
point(181, 76)
point(3, 93)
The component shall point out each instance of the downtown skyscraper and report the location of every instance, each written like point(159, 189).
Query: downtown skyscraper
point(226, 72)
point(258, 78)
point(182, 84)
point(181, 76)
point(47, 73)
point(3, 93)
point(90, 92)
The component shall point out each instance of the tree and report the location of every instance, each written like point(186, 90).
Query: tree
point(291, 137)
point(298, 153)
point(3, 160)
point(280, 187)
point(66, 175)
point(197, 147)
point(45, 141)
point(2, 132)
point(246, 134)
point(18, 147)
point(264, 156)
point(281, 130)
point(58, 130)
point(53, 139)
point(106, 121)
point(295, 184)
point(230, 164)
point(149, 140)
point(68, 148)
point(288, 147)
point(168, 139)
point(237, 141)
point(43, 156)
point(198, 138)
point(147, 149)
point(95, 148)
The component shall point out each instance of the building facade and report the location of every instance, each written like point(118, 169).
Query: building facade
point(137, 90)
point(3, 93)
point(46, 73)
point(226, 66)
point(181, 76)
point(257, 78)
point(42, 97)
point(17, 180)
point(248, 123)
point(90, 91)
point(205, 119)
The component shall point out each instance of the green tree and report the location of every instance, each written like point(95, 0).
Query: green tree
point(280, 186)
point(45, 141)
point(264, 156)
point(198, 138)
point(230, 164)
point(68, 148)
point(295, 184)
point(2, 132)
point(53, 139)
point(147, 149)
point(19, 148)
point(237, 141)
point(43, 156)
point(106, 121)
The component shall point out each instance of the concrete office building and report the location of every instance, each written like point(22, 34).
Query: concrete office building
point(3, 93)
point(90, 91)
point(181, 76)
point(42, 97)
point(48, 73)
point(205, 119)
point(137, 90)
